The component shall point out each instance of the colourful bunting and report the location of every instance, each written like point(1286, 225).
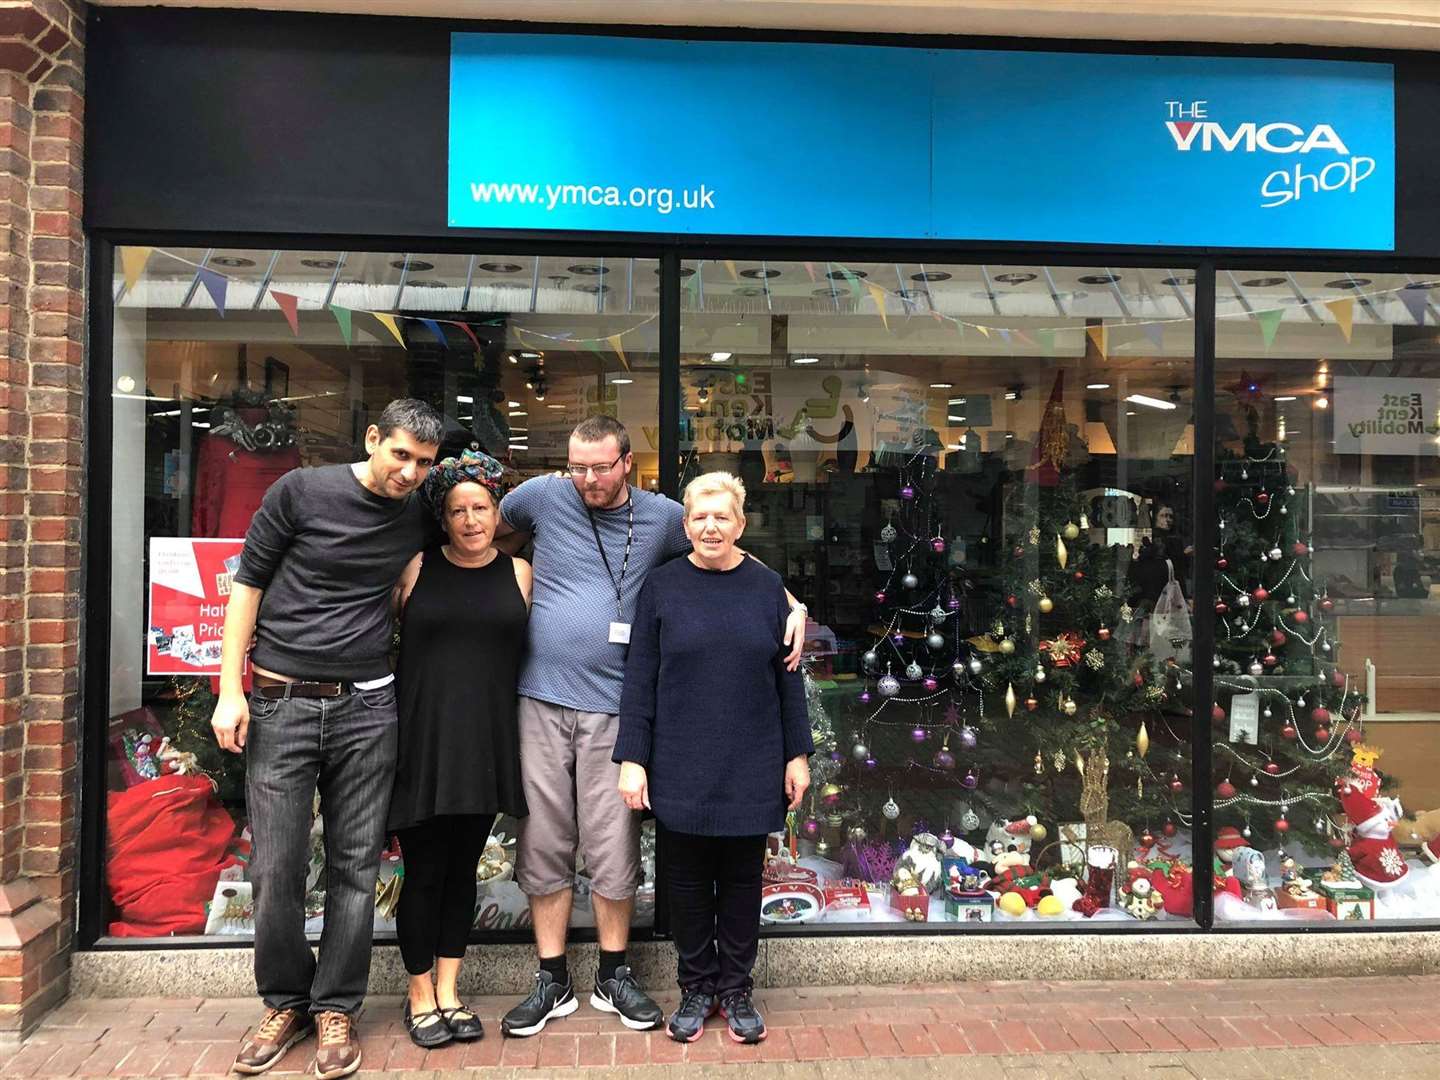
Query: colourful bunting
point(1100, 335)
point(730, 266)
point(434, 328)
point(1344, 312)
point(132, 264)
point(1047, 341)
point(1004, 334)
point(851, 279)
point(616, 343)
point(1155, 331)
point(388, 321)
point(985, 330)
point(342, 316)
point(216, 284)
point(465, 329)
point(810, 269)
point(290, 305)
point(878, 295)
point(1416, 303)
point(1269, 324)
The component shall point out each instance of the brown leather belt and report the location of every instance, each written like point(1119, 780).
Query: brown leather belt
point(279, 689)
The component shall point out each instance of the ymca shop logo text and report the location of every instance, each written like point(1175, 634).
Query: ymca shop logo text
point(1193, 131)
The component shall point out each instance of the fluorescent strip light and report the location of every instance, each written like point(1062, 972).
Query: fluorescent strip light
point(956, 419)
point(806, 360)
point(518, 412)
point(941, 385)
point(464, 400)
point(956, 401)
point(719, 357)
point(1154, 403)
point(621, 382)
point(1097, 386)
point(1290, 397)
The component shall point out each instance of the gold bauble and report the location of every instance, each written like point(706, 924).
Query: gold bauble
point(1038, 833)
point(1072, 531)
point(1070, 707)
point(1007, 646)
point(1046, 605)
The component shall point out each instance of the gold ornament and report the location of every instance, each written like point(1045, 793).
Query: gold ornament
point(1070, 707)
point(1010, 699)
point(1033, 536)
point(1046, 605)
point(1072, 531)
point(1038, 833)
point(1039, 764)
point(1142, 740)
point(1062, 553)
point(1007, 646)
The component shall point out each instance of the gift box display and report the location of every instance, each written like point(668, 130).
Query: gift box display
point(1348, 901)
point(970, 907)
point(914, 906)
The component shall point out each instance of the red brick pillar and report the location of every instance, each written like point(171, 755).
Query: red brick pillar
point(42, 308)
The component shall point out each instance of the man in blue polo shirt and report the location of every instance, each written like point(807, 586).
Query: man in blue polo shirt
point(595, 538)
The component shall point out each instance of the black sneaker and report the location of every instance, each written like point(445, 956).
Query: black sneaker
point(746, 1023)
point(622, 995)
point(549, 999)
point(687, 1023)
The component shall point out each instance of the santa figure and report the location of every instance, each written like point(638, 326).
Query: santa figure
point(1377, 858)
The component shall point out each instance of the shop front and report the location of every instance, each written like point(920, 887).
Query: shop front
point(1090, 400)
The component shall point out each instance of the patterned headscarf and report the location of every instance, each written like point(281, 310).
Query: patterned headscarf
point(472, 466)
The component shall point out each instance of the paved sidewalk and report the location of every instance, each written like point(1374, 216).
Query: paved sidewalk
point(1112, 1030)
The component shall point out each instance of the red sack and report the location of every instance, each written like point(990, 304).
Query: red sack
point(167, 839)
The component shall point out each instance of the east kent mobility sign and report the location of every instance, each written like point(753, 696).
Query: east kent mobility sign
point(583, 133)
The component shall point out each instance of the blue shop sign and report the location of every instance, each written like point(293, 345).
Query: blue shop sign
point(791, 139)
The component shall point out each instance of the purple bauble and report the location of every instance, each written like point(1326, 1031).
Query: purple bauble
point(870, 762)
point(968, 781)
point(810, 829)
point(947, 838)
point(967, 737)
point(898, 638)
point(919, 734)
point(836, 756)
point(937, 545)
point(880, 596)
point(865, 697)
point(953, 603)
point(931, 683)
point(907, 492)
point(943, 759)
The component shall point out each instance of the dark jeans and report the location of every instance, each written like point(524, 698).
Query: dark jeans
point(437, 901)
point(713, 884)
point(345, 747)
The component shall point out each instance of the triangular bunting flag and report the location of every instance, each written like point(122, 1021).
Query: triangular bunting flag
point(1269, 324)
point(1155, 331)
point(730, 266)
point(388, 321)
point(878, 295)
point(1101, 337)
point(1415, 302)
point(465, 329)
point(216, 284)
point(985, 330)
point(617, 343)
point(434, 328)
point(1344, 312)
point(290, 305)
point(342, 316)
point(810, 269)
point(132, 264)
point(1047, 340)
point(1004, 334)
point(1025, 339)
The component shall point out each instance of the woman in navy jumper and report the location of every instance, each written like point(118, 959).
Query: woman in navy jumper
point(714, 737)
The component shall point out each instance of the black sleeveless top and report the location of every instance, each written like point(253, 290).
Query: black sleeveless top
point(462, 638)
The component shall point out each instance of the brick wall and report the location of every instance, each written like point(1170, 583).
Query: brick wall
point(42, 308)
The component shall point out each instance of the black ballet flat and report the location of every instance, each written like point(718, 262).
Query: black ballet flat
point(427, 1036)
point(464, 1025)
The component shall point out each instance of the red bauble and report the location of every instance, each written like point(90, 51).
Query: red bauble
point(1272, 768)
point(1337, 678)
point(1337, 842)
point(1221, 607)
point(1177, 785)
point(1221, 563)
point(1220, 484)
point(1031, 704)
point(1263, 498)
point(1327, 605)
point(1079, 575)
point(1269, 660)
point(1302, 617)
point(1139, 679)
point(1300, 549)
point(1320, 715)
point(1278, 637)
point(1019, 552)
point(1288, 732)
point(1103, 633)
point(1322, 734)
point(1225, 790)
point(1217, 714)
point(1353, 736)
point(1169, 828)
point(1011, 600)
point(1261, 593)
point(1147, 838)
point(1282, 826)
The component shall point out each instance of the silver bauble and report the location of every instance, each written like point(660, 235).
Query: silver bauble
point(910, 581)
point(935, 641)
point(859, 751)
point(887, 533)
point(1039, 674)
point(870, 659)
point(891, 809)
point(969, 820)
point(1243, 600)
point(975, 665)
point(888, 685)
point(1276, 554)
point(913, 670)
point(938, 614)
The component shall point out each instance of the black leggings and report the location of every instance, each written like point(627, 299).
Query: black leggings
point(714, 893)
point(437, 901)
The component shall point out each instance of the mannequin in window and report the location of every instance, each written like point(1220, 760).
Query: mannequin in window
point(250, 446)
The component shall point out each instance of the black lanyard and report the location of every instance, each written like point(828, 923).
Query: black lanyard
point(618, 586)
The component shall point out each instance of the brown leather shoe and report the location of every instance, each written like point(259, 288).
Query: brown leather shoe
point(278, 1032)
point(338, 1052)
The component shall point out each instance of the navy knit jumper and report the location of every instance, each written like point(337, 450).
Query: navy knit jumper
point(708, 707)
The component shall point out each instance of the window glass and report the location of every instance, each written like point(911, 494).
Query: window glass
point(1328, 541)
point(978, 478)
point(232, 367)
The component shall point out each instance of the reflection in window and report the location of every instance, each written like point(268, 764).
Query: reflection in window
point(978, 478)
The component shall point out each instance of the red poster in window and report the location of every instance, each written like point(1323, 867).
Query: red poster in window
point(190, 583)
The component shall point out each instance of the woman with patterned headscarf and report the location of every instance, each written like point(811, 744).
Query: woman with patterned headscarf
point(463, 607)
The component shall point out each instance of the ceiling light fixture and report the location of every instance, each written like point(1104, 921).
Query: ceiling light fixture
point(621, 382)
point(941, 385)
point(1150, 402)
point(719, 357)
point(806, 360)
point(1097, 386)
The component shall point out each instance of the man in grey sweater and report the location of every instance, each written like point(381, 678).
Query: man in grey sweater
point(321, 557)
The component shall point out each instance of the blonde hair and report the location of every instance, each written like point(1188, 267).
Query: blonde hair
point(716, 483)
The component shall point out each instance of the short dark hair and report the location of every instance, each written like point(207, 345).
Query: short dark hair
point(600, 427)
point(413, 416)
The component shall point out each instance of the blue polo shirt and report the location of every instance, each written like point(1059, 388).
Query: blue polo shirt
point(571, 660)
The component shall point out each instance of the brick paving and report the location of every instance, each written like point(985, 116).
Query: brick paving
point(1145, 1028)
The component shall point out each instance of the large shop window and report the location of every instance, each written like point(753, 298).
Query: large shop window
point(979, 478)
point(232, 367)
point(1327, 489)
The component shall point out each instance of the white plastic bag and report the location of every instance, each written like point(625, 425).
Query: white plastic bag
point(1170, 630)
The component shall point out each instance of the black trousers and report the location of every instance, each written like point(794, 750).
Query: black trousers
point(437, 901)
point(713, 885)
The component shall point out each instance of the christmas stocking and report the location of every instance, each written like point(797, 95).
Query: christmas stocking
point(1099, 881)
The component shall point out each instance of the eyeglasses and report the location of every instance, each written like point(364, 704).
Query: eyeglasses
point(579, 471)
